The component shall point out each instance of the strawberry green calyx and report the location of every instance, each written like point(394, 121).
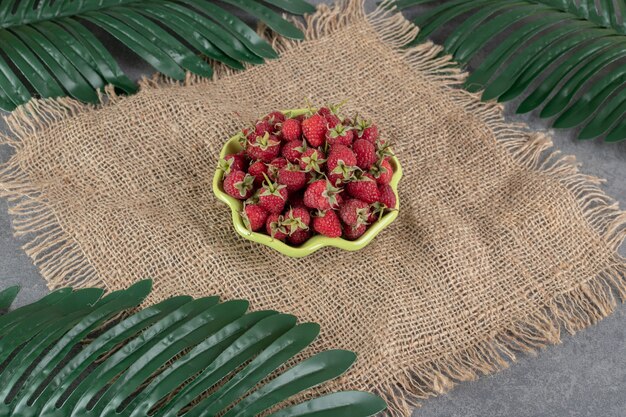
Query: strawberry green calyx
point(302, 148)
point(378, 169)
point(278, 227)
point(254, 199)
point(245, 185)
point(378, 209)
point(294, 224)
point(346, 171)
point(360, 176)
point(292, 167)
point(383, 150)
point(339, 134)
point(334, 108)
point(330, 194)
point(265, 141)
point(313, 163)
point(272, 170)
point(339, 130)
point(315, 176)
point(362, 124)
point(272, 188)
point(362, 216)
point(224, 165)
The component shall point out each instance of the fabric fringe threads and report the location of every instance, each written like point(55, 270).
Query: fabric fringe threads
point(501, 242)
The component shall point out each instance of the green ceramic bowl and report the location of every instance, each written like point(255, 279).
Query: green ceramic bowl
point(316, 242)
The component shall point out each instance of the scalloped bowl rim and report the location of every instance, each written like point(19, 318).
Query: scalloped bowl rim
point(316, 242)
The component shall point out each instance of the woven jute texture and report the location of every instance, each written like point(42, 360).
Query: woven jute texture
point(499, 245)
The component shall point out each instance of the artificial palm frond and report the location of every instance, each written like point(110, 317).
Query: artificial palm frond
point(73, 353)
point(47, 48)
point(569, 55)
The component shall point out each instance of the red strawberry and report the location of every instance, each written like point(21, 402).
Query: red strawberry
point(272, 197)
point(298, 237)
point(314, 129)
point(355, 212)
point(354, 232)
point(233, 162)
point(339, 135)
point(364, 188)
point(292, 177)
point(370, 133)
point(292, 150)
point(276, 165)
point(312, 160)
point(387, 196)
point(238, 184)
point(265, 148)
point(274, 118)
point(254, 217)
point(257, 169)
point(327, 224)
point(291, 129)
point(367, 131)
point(382, 171)
point(322, 195)
point(340, 165)
point(274, 226)
point(341, 153)
point(365, 152)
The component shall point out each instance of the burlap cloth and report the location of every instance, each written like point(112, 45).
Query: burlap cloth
point(498, 245)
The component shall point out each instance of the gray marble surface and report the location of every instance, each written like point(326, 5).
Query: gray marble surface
point(585, 376)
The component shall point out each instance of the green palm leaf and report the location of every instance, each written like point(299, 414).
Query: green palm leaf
point(568, 56)
point(47, 48)
point(76, 353)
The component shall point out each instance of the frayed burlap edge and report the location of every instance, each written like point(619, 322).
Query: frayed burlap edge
point(62, 262)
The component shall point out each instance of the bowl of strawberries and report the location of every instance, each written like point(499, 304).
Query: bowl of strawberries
point(300, 180)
